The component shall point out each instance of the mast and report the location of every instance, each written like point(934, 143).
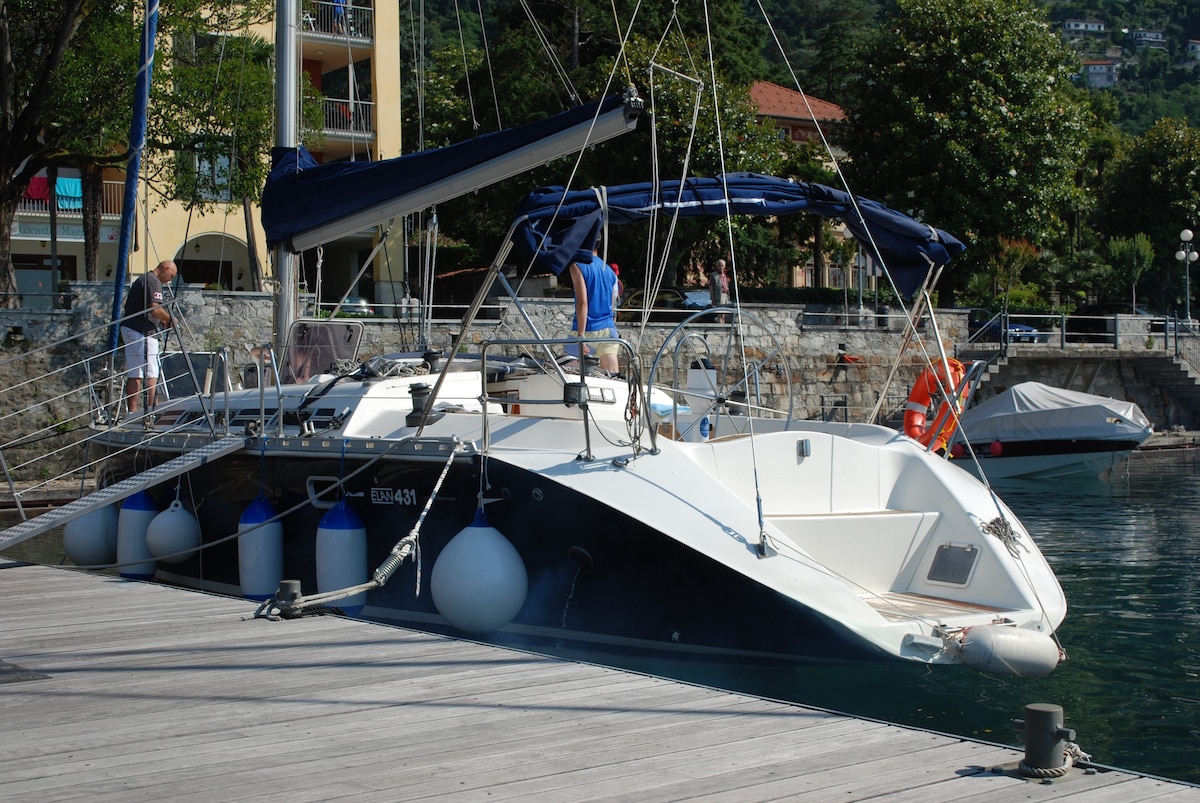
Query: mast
point(137, 141)
point(286, 136)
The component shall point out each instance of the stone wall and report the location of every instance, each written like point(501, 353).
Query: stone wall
point(838, 365)
point(835, 364)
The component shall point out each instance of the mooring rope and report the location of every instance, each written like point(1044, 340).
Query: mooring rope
point(1002, 529)
point(1072, 754)
point(406, 546)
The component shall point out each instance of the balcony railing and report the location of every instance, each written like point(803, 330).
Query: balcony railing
point(344, 116)
point(111, 201)
point(338, 19)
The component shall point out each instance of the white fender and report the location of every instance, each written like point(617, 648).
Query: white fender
point(1008, 650)
point(91, 539)
point(137, 562)
point(479, 582)
point(260, 551)
point(174, 534)
point(342, 555)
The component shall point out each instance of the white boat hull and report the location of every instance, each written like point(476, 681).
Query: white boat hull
point(804, 541)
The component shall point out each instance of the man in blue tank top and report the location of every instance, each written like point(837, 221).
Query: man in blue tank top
point(593, 282)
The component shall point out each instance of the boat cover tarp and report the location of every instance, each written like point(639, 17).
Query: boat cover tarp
point(1032, 411)
point(301, 195)
point(558, 226)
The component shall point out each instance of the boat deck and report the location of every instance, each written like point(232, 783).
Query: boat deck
point(899, 607)
point(116, 690)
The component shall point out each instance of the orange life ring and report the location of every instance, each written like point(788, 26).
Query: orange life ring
point(946, 374)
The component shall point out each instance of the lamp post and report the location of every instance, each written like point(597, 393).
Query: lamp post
point(1187, 254)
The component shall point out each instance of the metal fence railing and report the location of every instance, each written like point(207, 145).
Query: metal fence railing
point(338, 19)
point(349, 116)
point(1141, 332)
point(111, 201)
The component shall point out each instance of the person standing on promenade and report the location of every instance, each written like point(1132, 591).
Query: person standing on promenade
point(718, 287)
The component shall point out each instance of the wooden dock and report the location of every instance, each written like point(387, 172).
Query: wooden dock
point(115, 690)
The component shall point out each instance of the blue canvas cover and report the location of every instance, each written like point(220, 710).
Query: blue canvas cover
point(555, 225)
point(301, 194)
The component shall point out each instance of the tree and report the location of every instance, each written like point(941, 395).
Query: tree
point(964, 116)
point(44, 87)
point(1152, 187)
point(67, 70)
point(1130, 258)
point(531, 90)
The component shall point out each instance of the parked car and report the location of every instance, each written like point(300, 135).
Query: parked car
point(1095, 322)
point(356, 307)
point(670, 304)
point(984, 327)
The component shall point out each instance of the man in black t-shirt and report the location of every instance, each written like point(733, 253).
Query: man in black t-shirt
point(144, 314)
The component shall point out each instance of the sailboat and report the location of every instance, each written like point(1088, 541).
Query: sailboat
point(516, 498)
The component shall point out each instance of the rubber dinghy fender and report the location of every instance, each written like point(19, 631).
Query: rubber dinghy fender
point(133, 553)
point(479, 581)
point(91, 539)
point(1008, 650)
point(174, 534)
point(260, 550)
point(342, 555)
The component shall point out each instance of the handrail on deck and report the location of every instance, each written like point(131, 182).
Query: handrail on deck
point(574, 393)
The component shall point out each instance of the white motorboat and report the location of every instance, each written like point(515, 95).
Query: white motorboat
point(1036, 430)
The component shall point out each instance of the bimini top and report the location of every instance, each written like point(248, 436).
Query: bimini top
point(1031, 411)
point(555, 225)
point(305, 203)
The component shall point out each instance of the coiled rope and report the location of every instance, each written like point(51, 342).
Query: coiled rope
point(1072, 755)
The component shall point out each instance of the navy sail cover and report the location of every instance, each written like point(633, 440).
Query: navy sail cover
point(556, 226)
point(301, 195)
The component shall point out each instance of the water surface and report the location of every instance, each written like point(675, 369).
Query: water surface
point(1127, 552)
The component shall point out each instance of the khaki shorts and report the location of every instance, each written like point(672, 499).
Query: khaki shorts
point(603, 349)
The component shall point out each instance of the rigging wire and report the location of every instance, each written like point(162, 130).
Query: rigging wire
point(487, 57)
point(736, 334)
point(429, 238)
point(910, 313)
point(531, 261)
point(656, 274)
point(551, 57)
point(462, 47)
point(622, 56)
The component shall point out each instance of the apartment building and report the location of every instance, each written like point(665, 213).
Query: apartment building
point(350, 52)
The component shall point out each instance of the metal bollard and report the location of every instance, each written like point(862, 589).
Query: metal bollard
point(288, 591)
point(1045, 736)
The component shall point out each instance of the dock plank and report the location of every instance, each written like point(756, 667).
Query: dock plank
point(154, 693)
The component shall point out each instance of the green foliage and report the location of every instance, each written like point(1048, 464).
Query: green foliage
point(1130, 258)
point(1152, 188)
point(211, 107)
point(69, 70)
point(690, 139)
point(89, 105)
point(965, 116)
